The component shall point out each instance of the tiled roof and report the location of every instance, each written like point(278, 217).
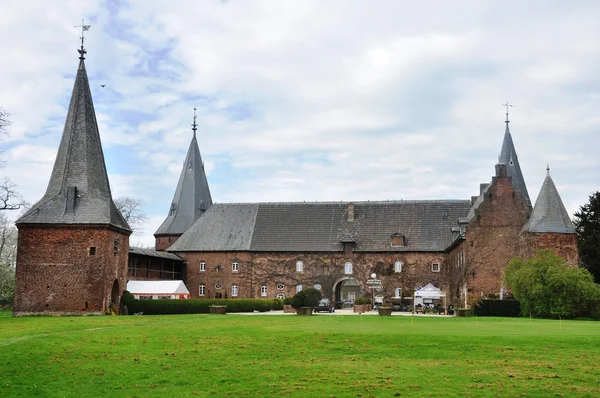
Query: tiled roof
point(508, 156)
point(549, 213)
point(322, 226)
point(78, 191)
point(153, 253)
point(192, 197)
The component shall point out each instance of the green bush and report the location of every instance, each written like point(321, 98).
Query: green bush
point(127, 298)
point(287, 301)
point(362, 301)
point(197, 306)
point(277, 304)
point(494, 307)
point(547, 287)
point(306, 298)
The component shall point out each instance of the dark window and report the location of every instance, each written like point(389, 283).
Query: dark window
point(92, 250)
point(116, 246)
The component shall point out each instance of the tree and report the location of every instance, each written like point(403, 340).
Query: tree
point(9, 198)
point(306, 298)
point(132, 210)
point(547, 287)
point(8, 254)
point(587, 225)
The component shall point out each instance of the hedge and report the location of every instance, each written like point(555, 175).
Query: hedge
point(495, 307)
point(196, 306)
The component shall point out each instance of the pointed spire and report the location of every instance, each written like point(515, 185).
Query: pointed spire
point(192, 197)
point(508, 156)
point(549, 213)
point(78, 191)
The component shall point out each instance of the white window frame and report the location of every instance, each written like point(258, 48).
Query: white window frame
point(234, 290)
point(348, 268)
point(398, 266)
point(298, 288)
point(280, 286)
point(436, 267)
point(235, 266)
point(299, 266)
point(202, 266)
point(280, 296)
point(398, 292)
point(202, 290)
point(263, 290)
point(218, 286)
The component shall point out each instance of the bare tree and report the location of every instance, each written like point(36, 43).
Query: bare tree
point(8, 253)
point(9, 198)
point(132, 210)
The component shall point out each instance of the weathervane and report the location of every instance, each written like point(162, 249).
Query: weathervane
point(507, 105)
point(194, 125)
point(83, 27)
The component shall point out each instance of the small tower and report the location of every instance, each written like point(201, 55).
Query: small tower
point(508, 156)
point(192, 197)
point(549, 226)
point(73, 243)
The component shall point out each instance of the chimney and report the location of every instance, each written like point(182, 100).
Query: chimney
point(482, 187)
point(501, 170)
point(350, 213)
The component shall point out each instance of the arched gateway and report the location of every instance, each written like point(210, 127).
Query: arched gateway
point(347, 290)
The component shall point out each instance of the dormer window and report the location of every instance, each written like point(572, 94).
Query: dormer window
point(172, 209)
point(398, 240)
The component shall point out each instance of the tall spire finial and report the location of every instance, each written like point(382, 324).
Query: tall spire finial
point(83, 27)
point(507, 105)
point(547, 169)
point(194, 125)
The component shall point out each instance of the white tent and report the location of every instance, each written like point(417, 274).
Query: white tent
point(173, 289)
point(429, 291)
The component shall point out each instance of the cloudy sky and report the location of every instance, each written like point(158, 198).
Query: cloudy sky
point(309, 100)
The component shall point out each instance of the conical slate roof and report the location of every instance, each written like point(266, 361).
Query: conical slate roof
point(192, 196)
point(549, 213)
point(508, 156)
point(78, 191)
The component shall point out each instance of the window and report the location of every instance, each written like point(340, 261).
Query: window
point(398, 240)
point(280, 286)
point(348, 268)
point(93, 251)
point(202, 290)
point(234, 266)
point(263, 291)
point(435, 267)
point(164, 297)
point(116, 246)
point(218, 286)
point(280, 296)
point(351, 296)
point(234, 290)
point(202, 266)
point(398, 292)
point(298, 288)
point(218, 268)
point(299, 266)
point(398, 266)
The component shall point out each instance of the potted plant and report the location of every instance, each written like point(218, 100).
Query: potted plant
point(362, 304)
point(287, 306)
point(385, 310)
point(305, 300)
point(217, 309)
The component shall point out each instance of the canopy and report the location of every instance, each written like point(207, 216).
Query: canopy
point(157, 287)
point(431, 292)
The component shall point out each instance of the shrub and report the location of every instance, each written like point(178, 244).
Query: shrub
point(362, 301)
point(493, 307)
point(197, 306)
point(547, 287)
point(127, 298)
point(306, 298)
point(287, 301)
point(277, 304)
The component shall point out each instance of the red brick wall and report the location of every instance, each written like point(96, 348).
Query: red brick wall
point(492, 237)
point(564, 245)
point(164, 242)
point(326, 269)
point(56, 273)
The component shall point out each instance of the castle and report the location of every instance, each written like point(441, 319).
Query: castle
point(73, 251)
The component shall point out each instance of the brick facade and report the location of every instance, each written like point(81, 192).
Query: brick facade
point(58, 271)
point(564, 245)
point(163, 242)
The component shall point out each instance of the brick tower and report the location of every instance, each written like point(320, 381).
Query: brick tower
point(550, 226)
point(191, 200)
point(73, 243)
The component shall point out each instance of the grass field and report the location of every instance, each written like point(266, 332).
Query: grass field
point(318, 356)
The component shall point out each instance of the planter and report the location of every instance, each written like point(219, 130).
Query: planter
point(288, 309)
point(462, 312)
point(360, 308)
point(304, 311)
point(218, 309)
point(385, 311)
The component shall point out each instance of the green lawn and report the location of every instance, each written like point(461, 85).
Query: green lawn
point(318, 356)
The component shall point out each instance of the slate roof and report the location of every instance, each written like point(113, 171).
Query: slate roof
point(549, 213)
point(78, 191)
point(192, 197)
point(508, 156)
point(322, 226)
point(153, 253)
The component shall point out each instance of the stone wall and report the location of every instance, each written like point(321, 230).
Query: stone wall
point(69, 269)
point(564, 245)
